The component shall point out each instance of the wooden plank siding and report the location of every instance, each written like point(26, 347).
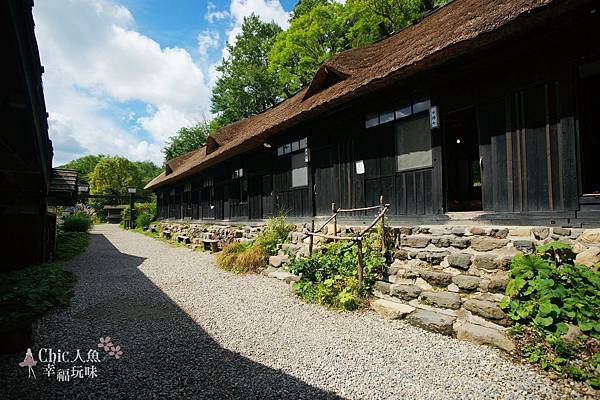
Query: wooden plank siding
point(525, 104)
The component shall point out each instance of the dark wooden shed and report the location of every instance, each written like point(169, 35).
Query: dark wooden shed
point(29, 188)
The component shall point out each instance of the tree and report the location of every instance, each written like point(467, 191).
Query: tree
point(147, 170)
point(245, 87)
point(304, 6)
point(187, 139)
point(319, 29)
point(393, 14)
point(84, 165)
point(113, 175)
point(310, 40)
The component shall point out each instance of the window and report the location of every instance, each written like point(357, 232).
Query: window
point(239, 186)
point(244, 191)
point(404, 111)
point(421, 105)
point(372, 120)
point(418, 105)
point(292, 147)
point(386, 116)
point(413, 144)
point(299, 170)
point(187, 195)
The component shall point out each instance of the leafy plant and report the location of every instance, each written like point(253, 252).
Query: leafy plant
point(275, 233)
point(70, 244)
point(32, 291)
point(547, 293)
point(144, 214)
point(330, 277)
point(143, 220)
point(250, 256)
point(77, 222)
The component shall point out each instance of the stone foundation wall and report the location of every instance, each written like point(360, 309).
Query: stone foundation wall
point(224, 234)
point(450, 279)
point(443, 278)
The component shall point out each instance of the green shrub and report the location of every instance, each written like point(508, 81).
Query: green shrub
point(149, 209)
point(70, 244)
point(78, 222)
point(249, 257)
point(330, 277)
point(234, 258)
point(548, 292)
point(143, 220)
point(275, 233)
point(32, 291)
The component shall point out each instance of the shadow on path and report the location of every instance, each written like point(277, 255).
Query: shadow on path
point(166, 354)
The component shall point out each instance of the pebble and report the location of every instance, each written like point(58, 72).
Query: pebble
point(191, 330)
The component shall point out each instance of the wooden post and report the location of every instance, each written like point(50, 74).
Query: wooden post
point(360, 263)
point(333, 210)
point(311, 237)
point(382, 227)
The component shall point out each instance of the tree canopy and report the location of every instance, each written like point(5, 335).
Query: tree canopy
point(245, 87)
point(113, 175)
point(187, 139)
point(320, 28)
point(84, 165)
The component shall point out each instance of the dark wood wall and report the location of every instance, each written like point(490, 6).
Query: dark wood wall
point(524, 97)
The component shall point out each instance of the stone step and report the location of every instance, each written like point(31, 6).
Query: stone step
point(483, 335)
point(285, 276)
point(391, 310)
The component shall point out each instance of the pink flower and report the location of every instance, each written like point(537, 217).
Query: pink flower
point(116, 351)
point(105, 343)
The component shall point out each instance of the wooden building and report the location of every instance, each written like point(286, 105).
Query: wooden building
point(29, 188)
point(484, 109)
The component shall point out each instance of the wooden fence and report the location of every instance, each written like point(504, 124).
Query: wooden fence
point(358, 239)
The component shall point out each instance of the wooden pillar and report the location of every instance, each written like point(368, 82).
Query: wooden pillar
point(334, 210)
point(382, 226)
point(311, 237)
point(360, 263)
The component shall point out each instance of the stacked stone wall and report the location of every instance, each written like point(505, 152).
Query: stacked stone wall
point(443, 278)
point(451, 279)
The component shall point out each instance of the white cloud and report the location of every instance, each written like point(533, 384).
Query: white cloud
point(212, 14)
point(207, 40)
point(94, 60)
point(165, 121)
point(266, 10)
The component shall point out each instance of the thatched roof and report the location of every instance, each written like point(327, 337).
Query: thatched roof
point(460, 27)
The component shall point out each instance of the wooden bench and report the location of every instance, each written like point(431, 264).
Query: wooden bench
point(211, 244)
point(183, 239)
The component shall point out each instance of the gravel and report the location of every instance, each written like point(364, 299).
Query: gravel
point(188, 329)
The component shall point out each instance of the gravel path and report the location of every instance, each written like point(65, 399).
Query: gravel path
point(190, 330)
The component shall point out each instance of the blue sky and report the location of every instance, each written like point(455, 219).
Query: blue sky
point(121, 76)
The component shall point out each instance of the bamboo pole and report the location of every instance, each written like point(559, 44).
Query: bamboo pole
point(360, 264)
point(381, 214)
point(350, 238)
point(326, 222)
point(346, 210)
point(311, 238)
point(382, 227)
point(334, 211)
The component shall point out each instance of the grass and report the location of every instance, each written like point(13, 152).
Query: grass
point(70, 244)
point(251, 256)
point(242, 257)
point(33, 291)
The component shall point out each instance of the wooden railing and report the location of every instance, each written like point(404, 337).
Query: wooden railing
point(358, 239)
